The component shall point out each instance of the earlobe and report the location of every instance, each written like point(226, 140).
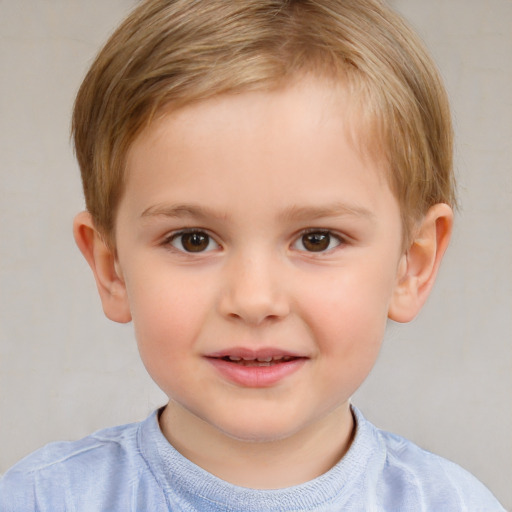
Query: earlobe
point(419, 264)
point(106, 270)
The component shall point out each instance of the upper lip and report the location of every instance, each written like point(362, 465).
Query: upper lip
point(251, 354)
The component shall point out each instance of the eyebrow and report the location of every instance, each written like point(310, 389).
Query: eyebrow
point(338, 209)
point(291, 213)
point(182, 210)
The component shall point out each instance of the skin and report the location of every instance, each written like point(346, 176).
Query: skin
point(251, 174)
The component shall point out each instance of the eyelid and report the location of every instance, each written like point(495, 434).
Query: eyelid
point(341, 239)
point(170, 237)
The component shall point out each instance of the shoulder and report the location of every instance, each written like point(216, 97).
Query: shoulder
point(99, 447)
point(54, 474)
point(411, 478)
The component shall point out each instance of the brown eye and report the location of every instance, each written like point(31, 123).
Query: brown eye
point(317, 241)
point(194, 241)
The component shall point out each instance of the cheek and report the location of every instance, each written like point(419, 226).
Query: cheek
point(167, 318)
point(348, 336)
point(159, 312)
point(348, 317)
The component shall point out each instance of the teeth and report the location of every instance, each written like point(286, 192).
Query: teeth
point(262, 361)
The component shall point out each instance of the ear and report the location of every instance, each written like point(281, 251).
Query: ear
point(102, 260)
point(419, 264)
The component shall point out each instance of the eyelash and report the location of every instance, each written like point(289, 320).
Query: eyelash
point(323, 233)
point(198, 232)
point(323, 236)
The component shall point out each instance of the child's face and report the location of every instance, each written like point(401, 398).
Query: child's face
point(250, 227)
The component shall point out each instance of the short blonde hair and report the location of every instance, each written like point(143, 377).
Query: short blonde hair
point(169, 53)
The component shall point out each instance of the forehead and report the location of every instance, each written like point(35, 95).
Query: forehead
point(306, 105)
point(290, 148)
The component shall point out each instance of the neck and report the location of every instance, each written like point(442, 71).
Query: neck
point(275, 464)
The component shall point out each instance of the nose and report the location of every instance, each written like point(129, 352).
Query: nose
point(254, 290)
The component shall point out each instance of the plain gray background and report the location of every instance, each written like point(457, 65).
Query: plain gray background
point(444, 381)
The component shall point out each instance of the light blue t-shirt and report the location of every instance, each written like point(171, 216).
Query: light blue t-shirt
point(134, 468)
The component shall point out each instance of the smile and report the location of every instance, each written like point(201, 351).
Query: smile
point(256, 369)
point(266, 361)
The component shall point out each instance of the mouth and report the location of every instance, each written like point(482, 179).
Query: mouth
point(260, 368)
point(258, 361)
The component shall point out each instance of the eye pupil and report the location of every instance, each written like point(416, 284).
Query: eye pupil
point(195, 242)
point(316, 242)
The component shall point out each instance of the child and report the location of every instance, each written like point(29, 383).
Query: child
point(267, 182)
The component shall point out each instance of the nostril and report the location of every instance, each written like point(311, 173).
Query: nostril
point(253, 311)
point(253, 293)
point(255, 319)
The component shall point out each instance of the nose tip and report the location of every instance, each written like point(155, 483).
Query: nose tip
point(254, 296)
point(256, 312)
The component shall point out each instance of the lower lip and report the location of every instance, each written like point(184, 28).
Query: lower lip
point(256, 376)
